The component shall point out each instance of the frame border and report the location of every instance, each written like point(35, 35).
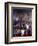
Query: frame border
point(7, 33)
